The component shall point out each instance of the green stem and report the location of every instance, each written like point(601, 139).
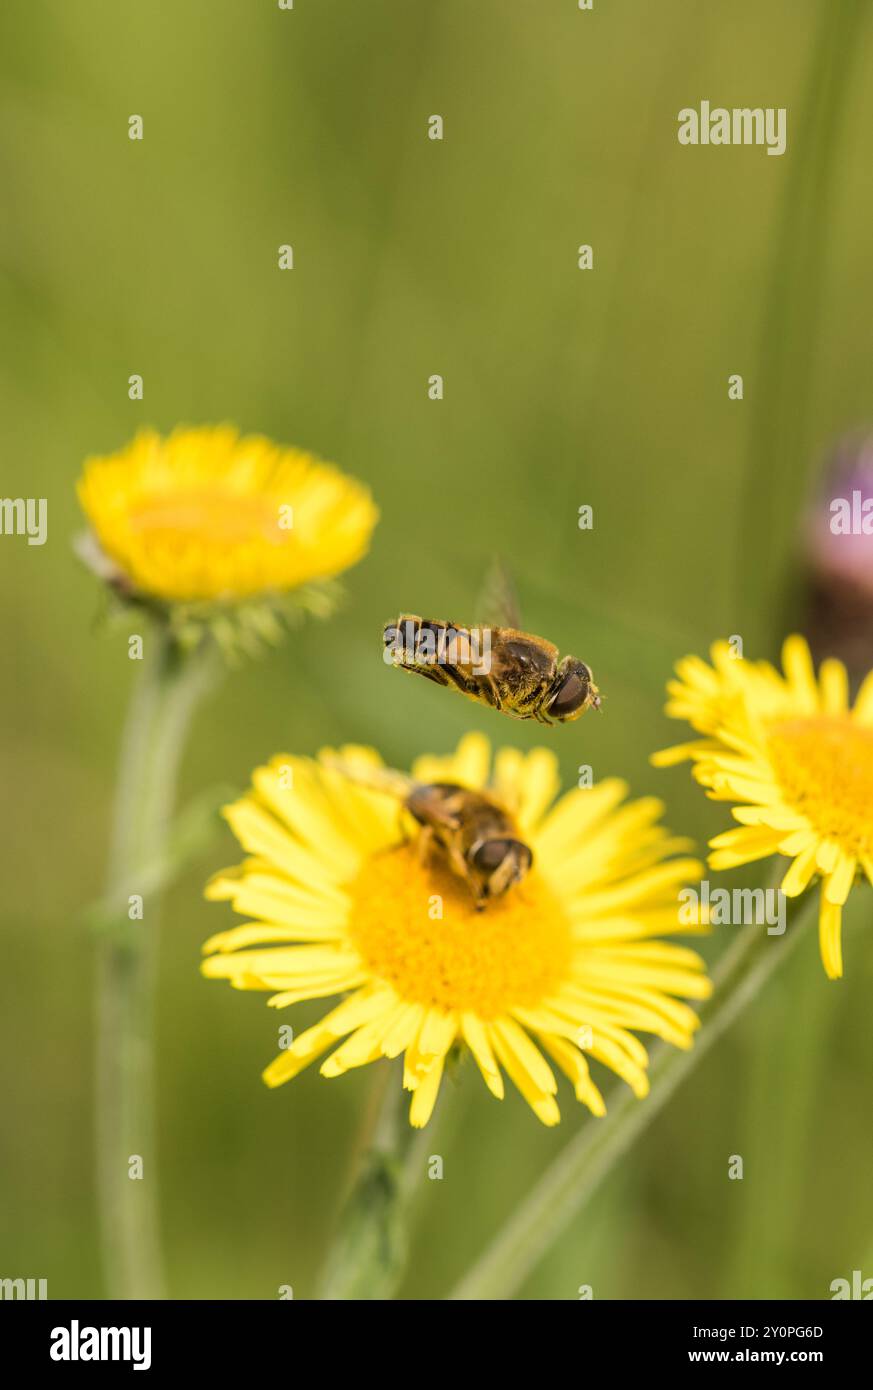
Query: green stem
point(779, 1104)
point(168, 687)
point(368, 1257)
point(585, 1160)
point(368, 1253)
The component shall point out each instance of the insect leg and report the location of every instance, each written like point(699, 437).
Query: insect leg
point(454, 677)
point(425, 844)
point(495, 700)
point(430, 673)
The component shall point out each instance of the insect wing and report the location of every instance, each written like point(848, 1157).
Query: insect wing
point(497, 602)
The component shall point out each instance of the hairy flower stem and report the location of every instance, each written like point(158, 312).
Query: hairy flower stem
point(587, 1159)
point(368, 1256)
point(169, 684)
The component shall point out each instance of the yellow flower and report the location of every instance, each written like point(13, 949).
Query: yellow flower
point(566, 964)
point(207, 515)
point(798, 759)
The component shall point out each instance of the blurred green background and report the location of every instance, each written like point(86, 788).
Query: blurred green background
point(562, 387)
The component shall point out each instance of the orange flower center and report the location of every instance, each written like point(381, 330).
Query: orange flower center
point(825, 768)
point(209, 514)
point(416, 927)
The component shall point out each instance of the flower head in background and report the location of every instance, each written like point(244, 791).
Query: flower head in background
point(797, 762)
point(564, 966)
point(206, 521)
point(839, 553)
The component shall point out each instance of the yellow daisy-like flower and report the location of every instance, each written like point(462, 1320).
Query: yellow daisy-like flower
point(205, 515)
point(566, 964)
point(799, 760)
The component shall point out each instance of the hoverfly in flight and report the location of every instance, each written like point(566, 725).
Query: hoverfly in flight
point(516, 672)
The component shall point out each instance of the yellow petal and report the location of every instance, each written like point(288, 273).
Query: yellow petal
point(573, 1064)
point(800, 872)
point(425, 1094)
point(799, 672)
point(476, 1038)
point(540, 783)
point(863, 707)
point(834, 683)
point(310, 1044)
point(839, 883)
point(681, 752)
point(522, 1058)
point(829, 930)
point(260, 833)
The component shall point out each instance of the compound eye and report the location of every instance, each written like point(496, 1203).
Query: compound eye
point(570, 696)
point(491, 854)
